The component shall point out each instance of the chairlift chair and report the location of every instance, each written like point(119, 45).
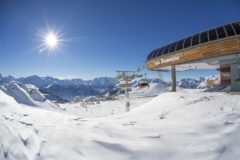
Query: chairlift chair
point(143, 82)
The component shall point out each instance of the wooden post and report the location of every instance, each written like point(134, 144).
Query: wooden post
point(174, 83)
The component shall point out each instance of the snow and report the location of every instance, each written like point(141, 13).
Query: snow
point(16, 91)
point(153, 90)
point(200, 83)
point(215, 80)
point(188, 124)
point(26, 94)
point(64, 89)
point(191, 82)
point(34, 92)
point(104, 108)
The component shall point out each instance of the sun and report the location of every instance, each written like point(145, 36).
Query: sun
point(51, 40)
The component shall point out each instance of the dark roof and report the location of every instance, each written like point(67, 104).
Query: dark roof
point(213, 34)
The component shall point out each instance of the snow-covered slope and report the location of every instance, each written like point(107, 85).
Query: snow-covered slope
point(191, 82)
point(209, 82)
point(34, 92)
point(7, 101)
point(189, 125)
point(26, 94)
point(156, 86)
point(21, 95)
point(200, 83)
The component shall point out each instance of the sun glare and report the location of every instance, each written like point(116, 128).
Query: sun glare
point(51, 40)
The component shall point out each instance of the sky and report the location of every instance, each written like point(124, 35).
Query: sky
point(99, 37)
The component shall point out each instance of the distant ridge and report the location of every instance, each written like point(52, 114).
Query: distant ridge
point(65, 88)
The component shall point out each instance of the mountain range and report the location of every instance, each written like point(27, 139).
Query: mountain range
point(65, 89)
point(55, 89)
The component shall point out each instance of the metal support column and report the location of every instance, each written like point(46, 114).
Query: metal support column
point(127, 100)
point(174, 83)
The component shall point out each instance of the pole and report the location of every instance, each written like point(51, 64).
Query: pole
point(174, 83)
point(127, 100)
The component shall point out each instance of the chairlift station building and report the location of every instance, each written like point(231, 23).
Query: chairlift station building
point(216, 48)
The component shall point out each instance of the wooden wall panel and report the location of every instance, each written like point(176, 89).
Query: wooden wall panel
point(225, 76)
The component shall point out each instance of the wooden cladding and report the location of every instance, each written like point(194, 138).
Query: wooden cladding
point(225, 75)
point(207, 50)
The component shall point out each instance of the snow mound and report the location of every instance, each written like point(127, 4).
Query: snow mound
point(153, 90)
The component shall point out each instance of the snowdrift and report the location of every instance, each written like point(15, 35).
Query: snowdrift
point(189, 125)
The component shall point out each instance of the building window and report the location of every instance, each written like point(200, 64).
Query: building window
point(172, 49)
point(154, 53)
point(221, 33)
point(166, 49)
point(150, 55)
point(179, 45)
point(204, 37)
point(160, 51)
point(229, 30)
point(195, 40)
point(236, 26)
point(212, 35)
point(187, 42)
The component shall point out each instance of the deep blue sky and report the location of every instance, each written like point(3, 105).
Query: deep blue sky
point(103, 35)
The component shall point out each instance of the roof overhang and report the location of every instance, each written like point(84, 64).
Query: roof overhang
point(209, 63)
point(206, 56)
